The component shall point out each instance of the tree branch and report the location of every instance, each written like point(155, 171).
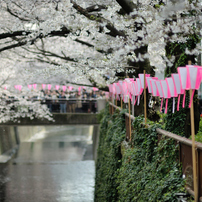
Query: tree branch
point(14, 34)
point(113, 31)
point(95, 8)
point(127, 5)
point(51, 54)
point(62, 32)
point(15, 15)
point(22, 43)
point(84, 43)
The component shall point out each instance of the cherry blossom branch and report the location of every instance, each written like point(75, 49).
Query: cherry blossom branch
point(113, 31)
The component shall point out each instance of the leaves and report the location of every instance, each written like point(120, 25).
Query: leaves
point(147, 171)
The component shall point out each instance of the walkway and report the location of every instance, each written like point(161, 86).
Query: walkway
point(54, 166)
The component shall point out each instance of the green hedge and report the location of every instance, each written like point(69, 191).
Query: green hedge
point(112, 133)
point(198, 136)
point(146, 170)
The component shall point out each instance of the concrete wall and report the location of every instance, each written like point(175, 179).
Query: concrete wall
point(11, 136)
point(101, 103)
point(96, 132)
point(8, 139)
point(24, 133)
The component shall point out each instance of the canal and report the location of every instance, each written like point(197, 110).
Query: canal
point(54, 165)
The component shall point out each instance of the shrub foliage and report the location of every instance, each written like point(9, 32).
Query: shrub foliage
point(146, 170)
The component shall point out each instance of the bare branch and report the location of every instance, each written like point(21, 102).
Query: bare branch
point(15, 15)
point(84, 43)
point(13, 46)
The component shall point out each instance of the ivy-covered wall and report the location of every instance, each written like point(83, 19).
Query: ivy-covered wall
point(146, 170)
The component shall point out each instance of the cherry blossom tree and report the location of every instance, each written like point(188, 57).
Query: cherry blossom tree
point(92, 42)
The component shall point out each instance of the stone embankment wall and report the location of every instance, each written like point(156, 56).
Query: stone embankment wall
point(11, 136)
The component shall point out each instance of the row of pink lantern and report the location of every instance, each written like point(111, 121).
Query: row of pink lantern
point(187, 78)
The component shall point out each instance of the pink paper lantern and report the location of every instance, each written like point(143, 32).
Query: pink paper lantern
point(159, 88)
point(154, 87)
point(134, 92)
point(166, 92)
point(64, 88)
point(49, 86)
point(165, 89)
point(34, 85)
point(178, 89)
point(139, 87)
point(141, 77)
point(190, 78)
point(43, 86)
point(149, 83)
point(134, 88)
point(177, 84)
point(29, 86)
point(19, 87)
point(193, 76)
point(110, 90)
point(95, 89)
point(172, 90)
point(57, 87)
point(70, 88)
point(107, 95)
point(160, 92)
point(117, 88)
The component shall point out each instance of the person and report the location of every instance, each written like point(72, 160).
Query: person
point(54, 101)
point(93, 102)
point(72, 102)
point(78, 102)
point(48, 101)
point(63, 102)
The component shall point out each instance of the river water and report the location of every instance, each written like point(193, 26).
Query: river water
point(55, 165)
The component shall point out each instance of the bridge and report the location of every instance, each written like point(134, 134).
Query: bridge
point(83, 114)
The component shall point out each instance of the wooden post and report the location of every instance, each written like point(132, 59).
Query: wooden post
point(193, 151)
point(133, 113)
point(121, 102)
point(113, 104)
point(195, 180)
point(129, 119)
point(109, 104)
point(145, 100)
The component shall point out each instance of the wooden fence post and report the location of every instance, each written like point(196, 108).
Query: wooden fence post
point(195, 178)
point(145, 100)
point(129, 120)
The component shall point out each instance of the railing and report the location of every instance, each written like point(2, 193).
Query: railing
point(70, 105)
point(185, 153)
